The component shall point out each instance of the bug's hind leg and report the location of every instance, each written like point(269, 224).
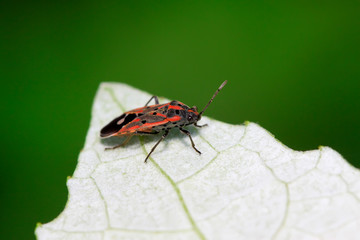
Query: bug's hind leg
point(162, 138)
point(156, 99)
point(122, 144)
point(192, 142)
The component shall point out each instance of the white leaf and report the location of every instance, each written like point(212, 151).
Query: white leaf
point(245, 185)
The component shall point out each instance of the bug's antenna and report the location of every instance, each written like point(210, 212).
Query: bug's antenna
point(217, 91)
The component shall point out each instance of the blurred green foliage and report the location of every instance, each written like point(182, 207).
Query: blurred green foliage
point(293, 67)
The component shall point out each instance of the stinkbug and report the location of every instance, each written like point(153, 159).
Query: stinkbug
point(154, 119)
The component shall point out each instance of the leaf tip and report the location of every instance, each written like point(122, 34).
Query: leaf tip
point(37, 226)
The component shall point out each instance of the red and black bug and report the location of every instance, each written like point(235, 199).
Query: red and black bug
point(154, 119)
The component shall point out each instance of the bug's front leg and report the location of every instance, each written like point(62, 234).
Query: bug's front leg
point(122, 144)
point(192, 142)
point(156, 99)
point(200, 126)
point(162, 138)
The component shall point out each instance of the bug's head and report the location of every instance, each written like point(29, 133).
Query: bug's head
point(192, 115)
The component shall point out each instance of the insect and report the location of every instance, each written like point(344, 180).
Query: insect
point(153, 119)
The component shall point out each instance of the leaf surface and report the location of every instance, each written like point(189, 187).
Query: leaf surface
point(244, 185)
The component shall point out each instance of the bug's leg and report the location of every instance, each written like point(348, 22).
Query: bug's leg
point(146, 133)
point(122, 144)
point(162, 138)
point(200, 126)
point(192, 142)
point(155, 99)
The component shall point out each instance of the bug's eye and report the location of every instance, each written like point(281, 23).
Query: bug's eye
point(189, 118)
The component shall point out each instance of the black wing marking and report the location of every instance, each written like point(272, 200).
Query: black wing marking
point(115, 125)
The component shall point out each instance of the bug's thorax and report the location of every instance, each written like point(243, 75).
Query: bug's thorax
point(182, 114)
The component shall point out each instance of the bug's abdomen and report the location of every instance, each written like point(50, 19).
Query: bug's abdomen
point(165, 125)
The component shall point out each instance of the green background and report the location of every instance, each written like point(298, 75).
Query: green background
point(294, 68)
